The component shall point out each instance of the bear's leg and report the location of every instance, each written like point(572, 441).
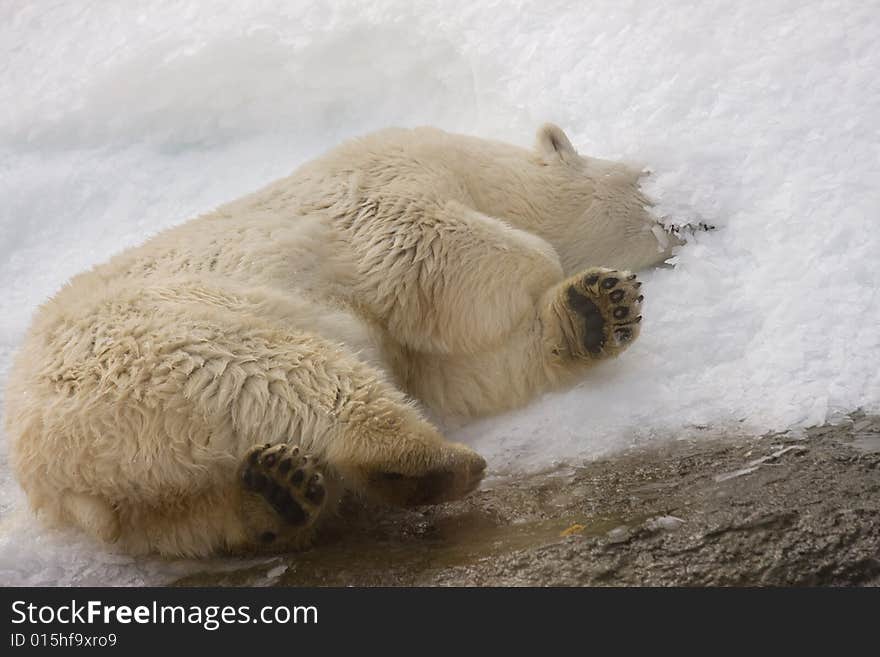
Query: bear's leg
point(383, 448)
point(347, 428)
point(295, 488)
point(355, 431)
point(456, 281)
point(586, 318)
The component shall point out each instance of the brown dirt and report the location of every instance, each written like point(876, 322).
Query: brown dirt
point(765, 511)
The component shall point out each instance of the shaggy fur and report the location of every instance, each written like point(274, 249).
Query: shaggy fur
point(216, 388)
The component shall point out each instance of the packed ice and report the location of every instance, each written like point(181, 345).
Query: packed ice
point(760, 118)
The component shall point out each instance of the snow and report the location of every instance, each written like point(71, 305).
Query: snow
point(762, 118)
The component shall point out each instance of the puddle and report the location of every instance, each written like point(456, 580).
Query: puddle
point(443, 543)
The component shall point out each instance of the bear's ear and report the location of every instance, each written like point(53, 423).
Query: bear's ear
point(552, 142)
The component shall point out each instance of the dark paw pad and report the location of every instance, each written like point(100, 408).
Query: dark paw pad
point(593, 334)
point(606, 304)
point(291, 483)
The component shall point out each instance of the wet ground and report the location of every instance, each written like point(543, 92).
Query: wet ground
point(774, 510)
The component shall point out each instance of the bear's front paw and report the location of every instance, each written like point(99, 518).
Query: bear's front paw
point(599, 313)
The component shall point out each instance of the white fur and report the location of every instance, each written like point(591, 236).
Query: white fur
point(409, 262)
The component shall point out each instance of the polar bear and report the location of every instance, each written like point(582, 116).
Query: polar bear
point(219, 387)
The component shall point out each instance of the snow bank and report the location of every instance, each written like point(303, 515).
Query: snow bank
point(762, 118)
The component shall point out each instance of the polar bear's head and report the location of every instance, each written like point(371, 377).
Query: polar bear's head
point(588, 209)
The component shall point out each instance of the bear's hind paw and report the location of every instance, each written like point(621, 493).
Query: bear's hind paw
point(292, 483)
